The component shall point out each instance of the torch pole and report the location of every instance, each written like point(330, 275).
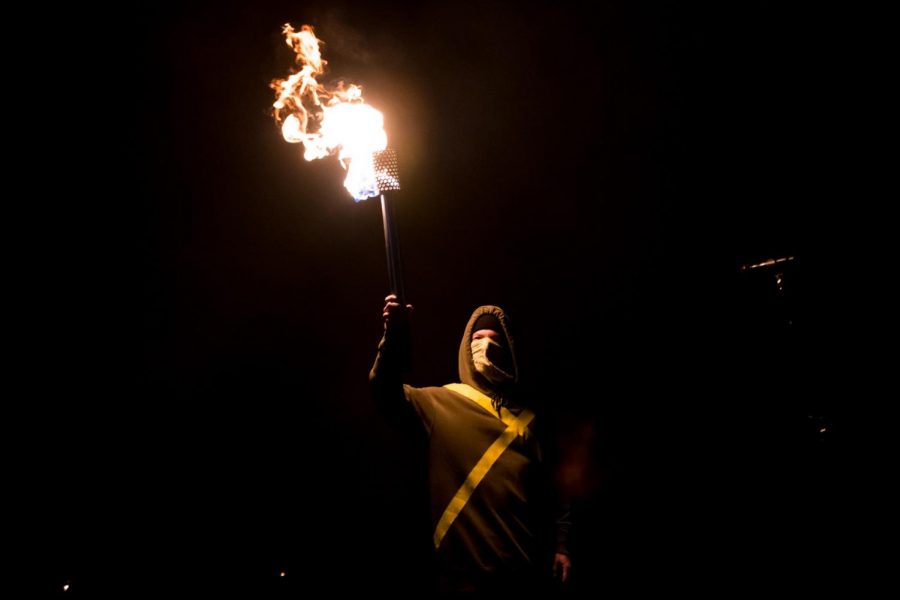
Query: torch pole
point(392, 249)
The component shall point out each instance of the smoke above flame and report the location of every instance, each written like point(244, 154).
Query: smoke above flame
point(328, 121)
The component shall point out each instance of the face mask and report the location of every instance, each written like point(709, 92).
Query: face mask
point(480, 350)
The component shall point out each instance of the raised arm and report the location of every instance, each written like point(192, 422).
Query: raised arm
point(392, 360)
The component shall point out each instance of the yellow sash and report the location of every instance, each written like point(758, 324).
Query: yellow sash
point(515, 426)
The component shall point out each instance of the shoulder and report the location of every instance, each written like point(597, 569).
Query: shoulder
point(435, 392)
point(430, 394)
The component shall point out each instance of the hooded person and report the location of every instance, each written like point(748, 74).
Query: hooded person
point(493, 527)
point(487, 359)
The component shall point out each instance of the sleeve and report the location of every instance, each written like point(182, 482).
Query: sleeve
point(386, 375)
point(392, 397)
point(559, 508)
point(563, 527)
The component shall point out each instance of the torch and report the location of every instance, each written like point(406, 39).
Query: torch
point(387, 176)
point(336, 121)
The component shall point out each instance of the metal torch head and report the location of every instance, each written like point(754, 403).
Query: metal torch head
point(387, 173)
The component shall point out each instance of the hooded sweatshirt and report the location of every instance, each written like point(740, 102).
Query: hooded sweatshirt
point(506, 528)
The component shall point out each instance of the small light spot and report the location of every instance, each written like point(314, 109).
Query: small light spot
point(65, 587)
point(282, 574)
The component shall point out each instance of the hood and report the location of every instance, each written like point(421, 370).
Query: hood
point(467, 372)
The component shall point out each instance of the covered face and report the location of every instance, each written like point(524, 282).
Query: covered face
point(490, 356)
point(487, 354)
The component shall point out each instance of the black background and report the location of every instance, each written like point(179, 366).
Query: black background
point(203, 305)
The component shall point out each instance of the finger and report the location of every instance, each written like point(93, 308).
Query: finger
point(565, 572)
point(391, 309)
point(390, 298)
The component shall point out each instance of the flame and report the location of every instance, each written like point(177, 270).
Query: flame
point(328, 122)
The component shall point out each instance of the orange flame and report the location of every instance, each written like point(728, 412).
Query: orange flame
point(327, 121)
